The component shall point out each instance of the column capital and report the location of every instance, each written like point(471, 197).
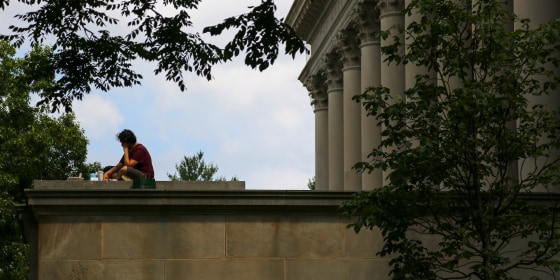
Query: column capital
point(317, 86)
point(333, 70)
point(390, 6)
point(347, 40)
point(367, 21)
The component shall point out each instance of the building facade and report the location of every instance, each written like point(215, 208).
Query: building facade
point(345, 60)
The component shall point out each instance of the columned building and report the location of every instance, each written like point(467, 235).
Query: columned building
point(345, 60)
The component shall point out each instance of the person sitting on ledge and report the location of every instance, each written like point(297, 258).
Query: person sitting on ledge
point(136, 162)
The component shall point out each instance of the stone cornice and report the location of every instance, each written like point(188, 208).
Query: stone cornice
point(334, 15)
point(303, 15)
point(82, 201)
point(178, 202)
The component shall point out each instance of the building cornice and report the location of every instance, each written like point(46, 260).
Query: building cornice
point(103, 201)
point(179, 201)
point(303, 15)
point(335, 15)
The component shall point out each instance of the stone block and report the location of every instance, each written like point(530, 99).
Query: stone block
point(164, 237)
point(70, 270)
point(70, 238)
point(196, 237)
point(331, 269)
point(106, 270)
point(238, 269)
point(364, 244)
point(317, 269)
point(284, 237)
point(366, 269)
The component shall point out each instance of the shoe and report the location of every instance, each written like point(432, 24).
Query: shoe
point(126, 178)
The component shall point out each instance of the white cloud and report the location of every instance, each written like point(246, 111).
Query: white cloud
point(97, 116)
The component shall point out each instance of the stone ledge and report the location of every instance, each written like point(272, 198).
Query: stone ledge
point(116, 198)
point(122, 185)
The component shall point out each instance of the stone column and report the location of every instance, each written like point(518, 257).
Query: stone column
point(515, 165)
point(539, 12)
point(336, 141)
point(412, 70)
point(391, 16)
point(350, 58)
point(316, 84)
point(368, 25)
point(392, 75)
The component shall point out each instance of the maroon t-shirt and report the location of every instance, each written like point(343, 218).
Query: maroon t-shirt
point(144, 161)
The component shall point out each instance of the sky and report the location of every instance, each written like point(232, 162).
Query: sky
point(256, 126)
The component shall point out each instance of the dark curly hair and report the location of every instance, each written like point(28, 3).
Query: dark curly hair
point(126, 136)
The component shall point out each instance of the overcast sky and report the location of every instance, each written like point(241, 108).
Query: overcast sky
point(257, 126)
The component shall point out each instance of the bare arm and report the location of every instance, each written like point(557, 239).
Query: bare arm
point(126, 158)
point(111, 171)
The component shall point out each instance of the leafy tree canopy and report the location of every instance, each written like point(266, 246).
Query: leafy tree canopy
point(13, 252)
point(33, 145)
point(311, 183)
point(469, 148)
point(89, 168)
point(195, 168)
point(88, 53)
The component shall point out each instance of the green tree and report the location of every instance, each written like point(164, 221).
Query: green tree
point(13, 252)
point(194, 168)
point(469, 149)
point(33, 145)
point(86, 54)
point(311, 183)
point(90, 168)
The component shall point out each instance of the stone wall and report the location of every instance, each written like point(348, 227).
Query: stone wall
point(212, 230)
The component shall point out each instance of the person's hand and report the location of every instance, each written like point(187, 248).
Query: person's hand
point(106, 176)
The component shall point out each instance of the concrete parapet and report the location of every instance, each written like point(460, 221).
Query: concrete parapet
point(77, 231)
point(122, 185)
